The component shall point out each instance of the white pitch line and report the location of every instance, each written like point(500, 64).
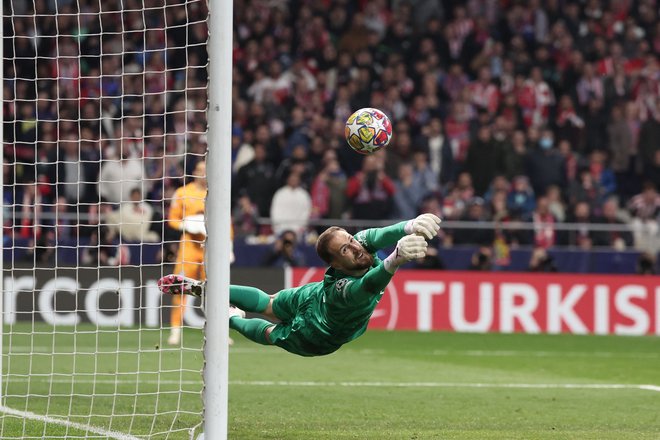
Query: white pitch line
point(377, 384)
point(80, 381)
point(596, 386)
point(469, 353)
point(650, 387)
point(67, 423)
point(539, 353)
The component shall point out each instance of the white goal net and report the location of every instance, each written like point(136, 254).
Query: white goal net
point(104, 121)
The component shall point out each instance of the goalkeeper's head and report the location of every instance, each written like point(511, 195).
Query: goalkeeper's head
point(341, 251)
point(199, 173)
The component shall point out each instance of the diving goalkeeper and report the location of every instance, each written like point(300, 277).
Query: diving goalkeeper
point(317, 318)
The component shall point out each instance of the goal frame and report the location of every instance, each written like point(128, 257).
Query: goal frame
point(218, 217)
point(2, 220)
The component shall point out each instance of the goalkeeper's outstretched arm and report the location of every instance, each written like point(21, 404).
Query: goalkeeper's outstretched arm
point(425, 225)
point(376, 279)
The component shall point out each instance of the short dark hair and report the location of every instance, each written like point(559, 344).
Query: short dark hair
point(322, 243)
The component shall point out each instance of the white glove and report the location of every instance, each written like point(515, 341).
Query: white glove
point(426, 225)
point(408, 248)
point(194, 224)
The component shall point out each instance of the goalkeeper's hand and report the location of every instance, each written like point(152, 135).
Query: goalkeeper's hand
point(194, 224)
point(408, 248)
point(426, 225)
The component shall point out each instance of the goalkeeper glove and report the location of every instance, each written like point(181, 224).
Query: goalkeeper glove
point(426, 225)
point(408, 248)
point(194, 224)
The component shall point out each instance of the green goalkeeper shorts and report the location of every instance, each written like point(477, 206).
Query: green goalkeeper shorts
point(300, 331)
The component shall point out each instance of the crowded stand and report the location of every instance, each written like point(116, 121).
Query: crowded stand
point(535, 119)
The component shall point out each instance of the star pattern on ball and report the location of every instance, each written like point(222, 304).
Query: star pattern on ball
point(353, 127)
point(379, 125)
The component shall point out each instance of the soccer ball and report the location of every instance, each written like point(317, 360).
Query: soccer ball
point(368, 130)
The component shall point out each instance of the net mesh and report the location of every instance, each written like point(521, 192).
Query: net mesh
point(104, 120)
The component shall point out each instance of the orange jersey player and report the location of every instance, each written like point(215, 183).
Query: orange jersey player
point(187, 215)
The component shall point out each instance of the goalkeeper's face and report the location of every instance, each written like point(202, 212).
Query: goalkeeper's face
point(348, 255)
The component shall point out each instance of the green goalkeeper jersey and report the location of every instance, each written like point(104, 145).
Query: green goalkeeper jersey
point(318, 318)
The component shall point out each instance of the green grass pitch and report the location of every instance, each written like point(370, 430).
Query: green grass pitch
point(385, 385)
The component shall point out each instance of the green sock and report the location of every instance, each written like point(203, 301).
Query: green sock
point(249, 299)
point(254, 328)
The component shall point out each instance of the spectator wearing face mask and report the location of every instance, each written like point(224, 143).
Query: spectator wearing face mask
point(545, 166)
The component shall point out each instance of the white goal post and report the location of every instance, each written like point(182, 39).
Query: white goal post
point(216, 369)
point(104, 129)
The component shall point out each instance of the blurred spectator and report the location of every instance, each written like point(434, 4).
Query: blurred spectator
point(586, 189)
point(457, 129)
point(242, 151)
point(484, 93)
point(398, 152)
point(590, 86)
point(556, 203)
point(582, 237)
point(102, 249)
point(622, 148)
point(245, 216)
point(119, 175)
point(602, 173)
point(498, 208)
point(481, 160)
point(513, 155)
point(544, 233)
point(535, 98)
point(291, 207)
point(499, 184)
point(438, 151)
point(70, 171)
point(133, 219)
point(646, 264)
point(31, 209)
point(284, 252)
point(298, 163)
point(257, 178)
point(329, 189)
point(645, 209)
point(570, 127)
point(649, 147)
point(617, 86)
point(618, 240)
point(521, 200)
point(545, 165)
point(431, 204)
point(65, 228)
point(572, 162)
point(482, 259)
point(476, 212)
point(409, 192)
point(595, 120)
point(464, 187)
point(541, 261)
point(371, 191)
point(424, 173)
